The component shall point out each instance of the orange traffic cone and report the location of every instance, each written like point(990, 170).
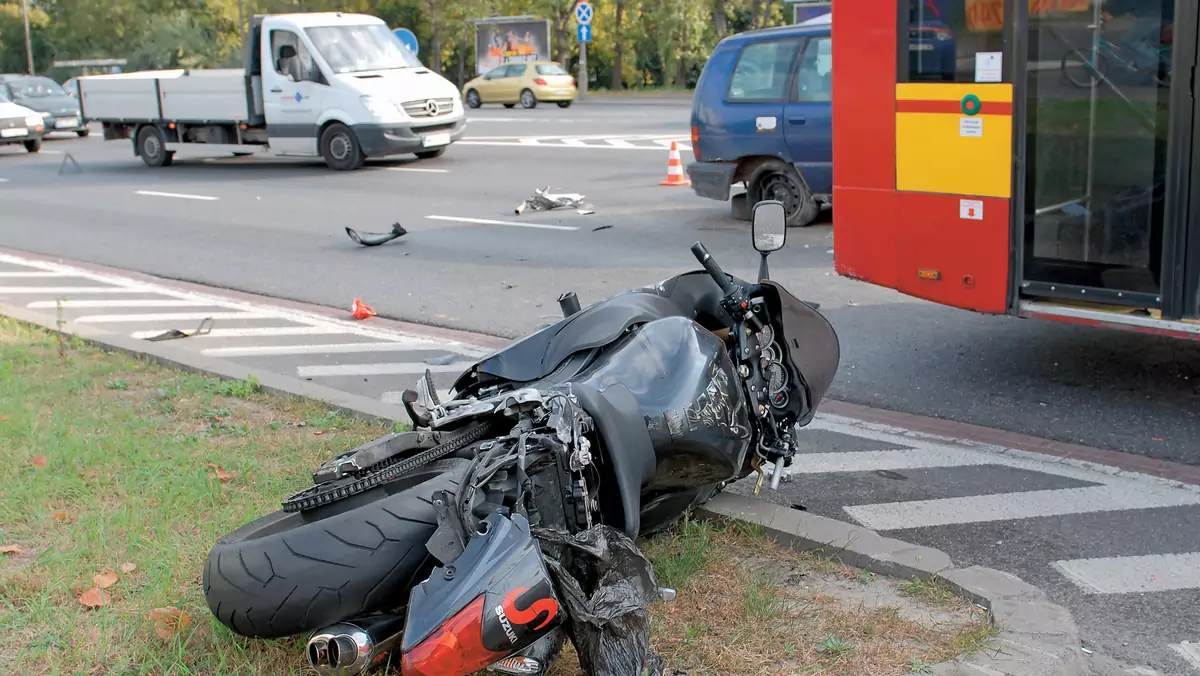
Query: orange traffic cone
point(675, 169)
point(361, 310)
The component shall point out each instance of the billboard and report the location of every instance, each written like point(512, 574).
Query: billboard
point(808, 10)
point(500, 42)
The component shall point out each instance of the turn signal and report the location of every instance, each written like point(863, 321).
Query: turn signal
point(454, 649)
point(696, 142)
point(932, 275)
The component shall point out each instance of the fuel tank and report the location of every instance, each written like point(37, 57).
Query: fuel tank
point(689, 397)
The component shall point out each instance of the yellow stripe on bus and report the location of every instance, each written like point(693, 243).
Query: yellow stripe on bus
point(931, 91)
point(932, 155)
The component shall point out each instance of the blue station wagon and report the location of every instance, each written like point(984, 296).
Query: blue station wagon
point(762, 116)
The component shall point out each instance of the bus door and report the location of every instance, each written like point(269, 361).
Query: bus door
point(1104, 204)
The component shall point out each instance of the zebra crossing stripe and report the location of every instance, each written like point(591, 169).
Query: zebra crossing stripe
point(1133, 574)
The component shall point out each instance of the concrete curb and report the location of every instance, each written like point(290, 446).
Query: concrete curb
point(1036, 637)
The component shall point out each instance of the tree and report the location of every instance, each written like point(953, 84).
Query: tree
point(12, 39)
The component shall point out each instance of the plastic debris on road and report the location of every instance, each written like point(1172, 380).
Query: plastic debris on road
point(544, 200)
point(205, 327)
point(361, 310)
point(610, 626)
point(376, 238)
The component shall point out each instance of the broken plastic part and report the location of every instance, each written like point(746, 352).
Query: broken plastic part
point(376, 238)
point(206, 325)
point(610, 624)
point(544, 200)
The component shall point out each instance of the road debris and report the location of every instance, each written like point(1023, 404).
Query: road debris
point(376, 238)
point(360, 310)
point(206, 325)
point(544, 200)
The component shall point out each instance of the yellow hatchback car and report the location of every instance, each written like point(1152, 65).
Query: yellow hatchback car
point(526, 83)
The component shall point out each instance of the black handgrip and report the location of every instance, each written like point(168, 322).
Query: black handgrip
point(710, 265)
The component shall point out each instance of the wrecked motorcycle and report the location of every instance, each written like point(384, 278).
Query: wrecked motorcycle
point(503, 525)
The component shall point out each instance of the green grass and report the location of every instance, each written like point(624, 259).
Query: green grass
point(679, 557)
point(144, 466)
point(930, 591)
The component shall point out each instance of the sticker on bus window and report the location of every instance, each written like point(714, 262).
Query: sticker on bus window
point(971, 210)
point(970, 126)
point(989, 66)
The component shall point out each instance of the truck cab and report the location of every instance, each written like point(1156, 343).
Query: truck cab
point(762, 115)
point(330, 84)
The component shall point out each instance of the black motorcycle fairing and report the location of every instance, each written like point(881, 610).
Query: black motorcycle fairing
point(687, 398)
point(693, 295)
point(812, 347)
point(626, 446)
point(505, 567)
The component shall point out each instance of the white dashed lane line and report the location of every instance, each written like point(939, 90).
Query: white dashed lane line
point(176, 195)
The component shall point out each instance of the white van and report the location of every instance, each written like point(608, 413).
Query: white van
point(339, 86)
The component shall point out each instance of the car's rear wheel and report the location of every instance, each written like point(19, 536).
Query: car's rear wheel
point(777, 180)
point(293, 572)
point(528, 100)
point(564, 104)
point(82, 133)
point(33, 146)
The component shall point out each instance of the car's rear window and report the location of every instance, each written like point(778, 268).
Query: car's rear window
point(551, 69)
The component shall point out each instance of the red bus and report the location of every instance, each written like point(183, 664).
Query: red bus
point(1026, 157)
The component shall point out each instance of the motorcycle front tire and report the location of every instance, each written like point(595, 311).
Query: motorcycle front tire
point(292, 573)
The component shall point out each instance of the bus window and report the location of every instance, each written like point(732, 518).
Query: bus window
point(943, 37)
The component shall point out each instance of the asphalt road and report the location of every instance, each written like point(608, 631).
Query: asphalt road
point(276, 227)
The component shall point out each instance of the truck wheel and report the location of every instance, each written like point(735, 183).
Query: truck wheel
point(153, 147)
point(430, 154)
point(340, 148)
point(473, 100)
point(528, 100)
point(33, 146)
point(776, 180)
point(82, 133)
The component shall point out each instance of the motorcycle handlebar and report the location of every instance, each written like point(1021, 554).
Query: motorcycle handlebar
point(710, 266)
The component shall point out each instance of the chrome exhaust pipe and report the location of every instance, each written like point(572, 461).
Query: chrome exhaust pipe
point(355, 646)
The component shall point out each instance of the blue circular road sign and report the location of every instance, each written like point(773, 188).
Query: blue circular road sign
point(408, 39)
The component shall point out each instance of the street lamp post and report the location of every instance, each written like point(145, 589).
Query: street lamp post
point(28, 42)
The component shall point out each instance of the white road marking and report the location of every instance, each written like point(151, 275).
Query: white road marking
point(254, 332)
point(529, 141)
point(70, 304)
point(1022, 505)
point(169, 317)
point(3, 180)
point(1133, 574)
point(1189, 651)
point(69, 290)
point(332, 348)
point(869, 461)
point(419, 170)
point(177, 195)
point(574, 142)
point(515, 224)
point(311, 323)
point(619, 143)
point(38, 274)
point(379, 369)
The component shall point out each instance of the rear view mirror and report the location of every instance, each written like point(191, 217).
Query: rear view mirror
point(769, 226)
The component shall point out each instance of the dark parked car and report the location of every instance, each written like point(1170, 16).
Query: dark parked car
point(59, 109)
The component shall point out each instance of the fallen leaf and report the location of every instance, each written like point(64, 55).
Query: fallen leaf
point(128, 568)
point(38, 461)
point(94, 598)
point(222, 475)
point(317, 433)
point(89, 474)
point(62, 516)
point(12, 549)
point(4, 418)
point(106, 579)
point(169, 621)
